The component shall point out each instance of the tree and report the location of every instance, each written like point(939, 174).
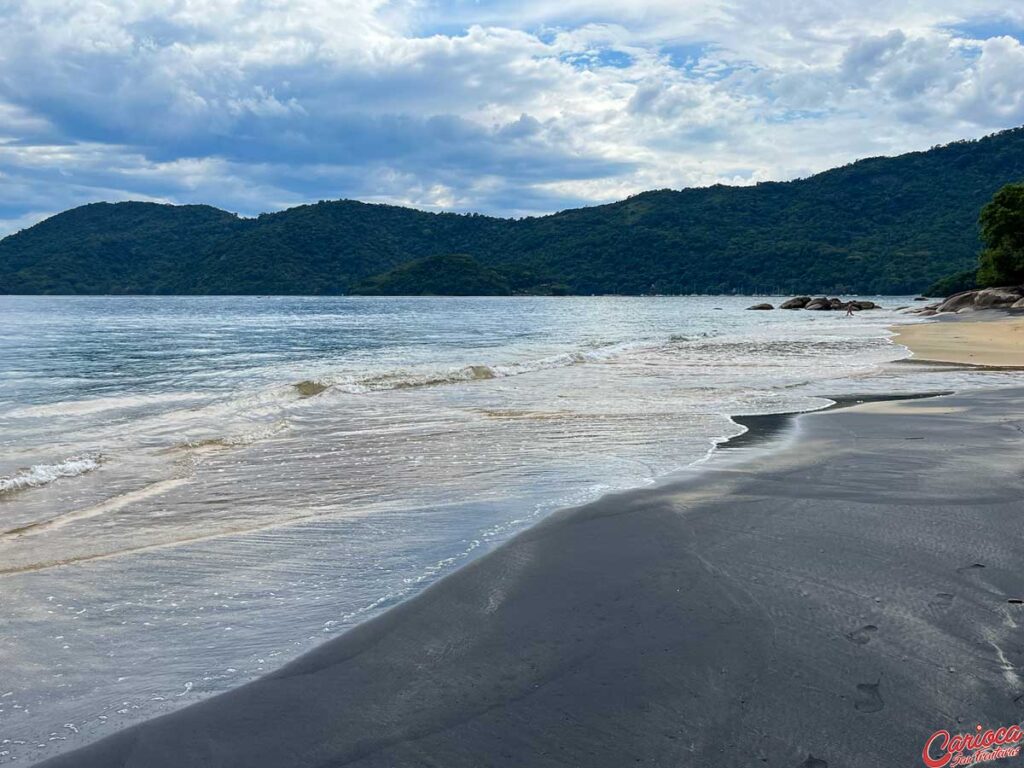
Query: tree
point(1002, 229)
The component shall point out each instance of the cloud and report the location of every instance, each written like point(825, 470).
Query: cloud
point(505, 107)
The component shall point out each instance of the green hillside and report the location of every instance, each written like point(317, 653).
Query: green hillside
point(881, 225)
point(447, 275)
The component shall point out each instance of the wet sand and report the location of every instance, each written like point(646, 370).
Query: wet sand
point(996, 341)
point(829, 602)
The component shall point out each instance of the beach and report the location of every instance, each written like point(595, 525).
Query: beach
point(178, 489)
point(989, 341)
point(829, 596)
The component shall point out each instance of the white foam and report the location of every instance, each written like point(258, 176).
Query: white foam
point(409, 378)
point(98, 405)
point(111, 505)
point(42, 474)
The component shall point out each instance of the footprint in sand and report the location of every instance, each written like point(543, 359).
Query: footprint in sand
point(813, 762)
point(863, 635)
point(870, 700)
point(971, 567)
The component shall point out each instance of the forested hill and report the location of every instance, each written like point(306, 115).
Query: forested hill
point(882, 225)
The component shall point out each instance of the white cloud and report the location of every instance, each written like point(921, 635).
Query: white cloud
point(504, 107)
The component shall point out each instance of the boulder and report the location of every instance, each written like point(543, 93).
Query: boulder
point(958, 301)
point(761, 306)
point(822, 303)
point(795, 303)
point(1019, 304)
point(927, 312)
point(921, 310)
point(997, 297)
point(986, 298)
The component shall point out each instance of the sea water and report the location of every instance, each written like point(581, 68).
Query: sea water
point(195, 490)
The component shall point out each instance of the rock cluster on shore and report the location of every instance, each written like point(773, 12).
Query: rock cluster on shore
point(1007, 297)
point(823, 303)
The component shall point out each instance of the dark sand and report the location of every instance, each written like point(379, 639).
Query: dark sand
point(842, 597)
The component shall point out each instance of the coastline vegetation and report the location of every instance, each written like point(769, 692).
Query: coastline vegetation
point(1001, 262)
point(881, 225)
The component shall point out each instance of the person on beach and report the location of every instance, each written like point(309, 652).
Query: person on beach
point(849, 309)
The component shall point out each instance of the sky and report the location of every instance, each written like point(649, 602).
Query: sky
point(506, 108)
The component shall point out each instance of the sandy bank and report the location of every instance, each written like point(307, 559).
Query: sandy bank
point(994, 342)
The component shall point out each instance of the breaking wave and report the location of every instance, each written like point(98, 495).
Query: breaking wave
point(43, 474)
point(234, 441)
point(407, 379)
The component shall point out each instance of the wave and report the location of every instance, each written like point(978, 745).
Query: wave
point(96, 405)
point(39, 475)
point(239, 440)
point(310, 388)
point(407, 379)
point(111, 505)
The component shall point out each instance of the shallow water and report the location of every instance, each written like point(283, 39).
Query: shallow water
point(194, 490)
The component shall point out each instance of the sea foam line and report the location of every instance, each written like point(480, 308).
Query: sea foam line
point(43, 474)
point(111, 505)
point(403, 378)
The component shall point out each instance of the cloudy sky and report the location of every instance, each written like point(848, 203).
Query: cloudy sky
point(511, 108)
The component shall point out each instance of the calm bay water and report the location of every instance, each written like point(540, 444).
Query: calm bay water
point(195, 490)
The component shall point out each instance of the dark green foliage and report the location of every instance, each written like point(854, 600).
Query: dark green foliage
point(111, 248)
point(882, 225)
point(448, 275)
point(947, 286)
point(1002, 230)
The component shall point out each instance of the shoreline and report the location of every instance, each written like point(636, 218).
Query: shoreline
point(765, 431)
point(989, 339)
point(763, 428)
point(797, 593)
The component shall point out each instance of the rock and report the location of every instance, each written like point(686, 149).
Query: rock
point(761, 306)
point(927, 312)
point(997, 297)
point(826, 303)
point(1017, 304)
point(986, 298)
point(920, 298)
point(796, 303)
point(958, 301)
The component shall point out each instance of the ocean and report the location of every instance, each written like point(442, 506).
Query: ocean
point(195, 490)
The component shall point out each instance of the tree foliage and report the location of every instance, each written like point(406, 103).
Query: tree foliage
point(1002, 230)
point(947, 286)
point(448, 275)
point(881, 225)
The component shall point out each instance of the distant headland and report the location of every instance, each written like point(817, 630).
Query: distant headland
point(878, 226)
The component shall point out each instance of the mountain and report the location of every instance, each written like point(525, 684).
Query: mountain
point(881, 225)
point(448, 275)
